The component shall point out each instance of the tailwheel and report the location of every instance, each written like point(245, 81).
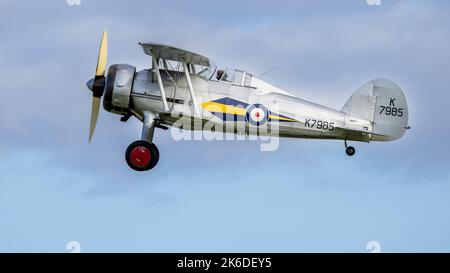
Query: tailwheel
point(350, 150)
point(142, 155)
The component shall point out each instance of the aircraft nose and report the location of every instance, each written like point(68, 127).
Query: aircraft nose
point(90, 84)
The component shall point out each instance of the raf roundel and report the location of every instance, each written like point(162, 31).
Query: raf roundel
point(257, 114)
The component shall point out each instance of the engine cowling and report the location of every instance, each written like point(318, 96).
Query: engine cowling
point(119, 84)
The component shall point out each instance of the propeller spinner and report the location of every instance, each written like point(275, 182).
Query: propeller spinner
point(97, 84)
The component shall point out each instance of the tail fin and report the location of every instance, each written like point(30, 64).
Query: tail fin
point(383, 103)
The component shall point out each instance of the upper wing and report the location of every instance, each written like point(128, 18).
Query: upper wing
point(174, 54)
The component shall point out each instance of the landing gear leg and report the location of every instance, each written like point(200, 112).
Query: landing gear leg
point(349, 150)
point(148, 127)
point(143, 155)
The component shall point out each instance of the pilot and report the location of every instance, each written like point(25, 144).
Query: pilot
point(221, 75)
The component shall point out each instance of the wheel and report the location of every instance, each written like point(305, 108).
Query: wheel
point(142, 156)
point(350, 150)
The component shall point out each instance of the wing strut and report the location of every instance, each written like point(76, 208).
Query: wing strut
point(191, 89)
point(161, 86)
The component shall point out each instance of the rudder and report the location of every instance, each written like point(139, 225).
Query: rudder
point(383, 103)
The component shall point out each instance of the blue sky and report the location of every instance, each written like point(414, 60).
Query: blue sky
point(223, 196)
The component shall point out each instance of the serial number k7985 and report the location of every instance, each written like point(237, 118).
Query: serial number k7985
point(319, 124)
point(391, 110)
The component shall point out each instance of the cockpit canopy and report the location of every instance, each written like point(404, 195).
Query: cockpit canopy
point(234, 76)
point(238, 77)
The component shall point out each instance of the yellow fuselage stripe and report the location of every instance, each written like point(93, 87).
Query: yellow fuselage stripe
point(223, 108)
point(232, 110)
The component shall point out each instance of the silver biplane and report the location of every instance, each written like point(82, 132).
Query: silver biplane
point(186, 90)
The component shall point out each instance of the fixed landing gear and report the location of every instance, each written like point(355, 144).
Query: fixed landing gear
point(143, 155)
point(349, 150)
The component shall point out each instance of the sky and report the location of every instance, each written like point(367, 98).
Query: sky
point(223, 196)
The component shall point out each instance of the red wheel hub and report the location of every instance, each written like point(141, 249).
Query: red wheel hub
point(140, 156)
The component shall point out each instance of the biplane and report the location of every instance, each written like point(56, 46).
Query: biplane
point(187, 90)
